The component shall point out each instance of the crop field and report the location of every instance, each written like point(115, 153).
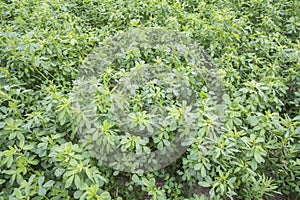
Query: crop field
point(150, 99)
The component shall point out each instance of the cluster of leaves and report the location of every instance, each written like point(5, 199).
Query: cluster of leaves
point(254, 44)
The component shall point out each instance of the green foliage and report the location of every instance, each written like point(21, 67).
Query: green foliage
point(255, 46)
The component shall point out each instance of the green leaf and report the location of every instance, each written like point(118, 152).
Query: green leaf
point(77, 194)
point(105, 196)
point(77, 181)
point(59, 171)
point(69, 181)
point(83, 196)
point(147, 150)
point(203, 171)
point(145, 182)
point(253, 165)
point(2, 124)
point(258, 157)
point(204, 184)
point(12, 135)
point(42, 191)
point(18, 193)
point(89, 174)
point(197, 166)
point(41, 180)
point(166, 142)
point(49, 184)
point(135, 178)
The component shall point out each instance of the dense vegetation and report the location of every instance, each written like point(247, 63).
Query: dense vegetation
point(255, 47)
